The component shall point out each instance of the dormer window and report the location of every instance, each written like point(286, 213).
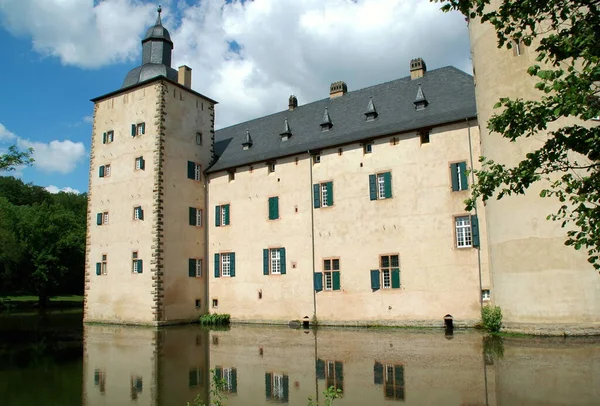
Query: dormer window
point(326, 124)
point(420, 101)
point(248, 143)
point(287, 132)
point(371, 113)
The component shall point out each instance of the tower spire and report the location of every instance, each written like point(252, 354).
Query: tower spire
point(158, 20)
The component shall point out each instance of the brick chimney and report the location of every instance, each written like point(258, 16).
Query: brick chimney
point(337, 89)
point(293, 103)
point(417, 68)
point(184, 76)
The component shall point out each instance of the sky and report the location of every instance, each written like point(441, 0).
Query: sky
point(248, 55)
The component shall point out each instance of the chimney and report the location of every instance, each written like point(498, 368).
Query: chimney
point(184, 76)
point(417, 68)
point(337, 89)
point(293, 103)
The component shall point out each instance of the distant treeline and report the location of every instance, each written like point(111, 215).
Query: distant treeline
point(42, 240)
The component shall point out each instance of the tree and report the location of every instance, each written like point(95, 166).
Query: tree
point(14, 158)
point(564, 34)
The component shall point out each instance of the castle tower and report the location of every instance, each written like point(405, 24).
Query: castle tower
point(536, 278)
point(146, 237)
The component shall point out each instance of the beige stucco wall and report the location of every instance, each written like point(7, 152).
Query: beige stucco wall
point(536, 278)
point(416, 223)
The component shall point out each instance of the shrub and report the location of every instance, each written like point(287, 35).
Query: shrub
point(491, 318)
point(214, 319)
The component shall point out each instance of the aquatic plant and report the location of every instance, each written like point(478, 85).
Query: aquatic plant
point(214, 319)
point(491, 318)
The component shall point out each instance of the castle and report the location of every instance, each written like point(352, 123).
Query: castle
point(346, 211)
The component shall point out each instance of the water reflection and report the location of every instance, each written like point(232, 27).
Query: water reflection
point(275, 365)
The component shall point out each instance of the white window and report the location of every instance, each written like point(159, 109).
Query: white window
point(275, 261)
point(228, 378)
point(138, 213)
point(135, 263)
point(197, 172)
point(485, 294)
point(105, 218)
point(198, 138)
point(225, 265)
point(368, 148)
point(324, 194)
point(380, 186)
point(386, 278)
point(328, 281)
point(390, 264)
point(278, 387)
point(463, 232)
point(317, 158)
point(139, 163)
point(107, 170)
point(139, 129)
point(110, 136)
point(223, 217)
point(199, 217)
point(199, 267)
point(104, 263)
point(331, 266)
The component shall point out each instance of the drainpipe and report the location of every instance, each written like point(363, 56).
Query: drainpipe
point(312, 234)
point(472, 183)
point(206, 242)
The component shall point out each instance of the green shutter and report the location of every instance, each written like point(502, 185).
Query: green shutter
point(464, 185)
point(101, 171)
point(375, 279)
point(395, 278)
point(98, 268)
point(133, 130)
point(329, 186)
point(217, 266)
point(286, 388)
point(399, 375)
point(265, 261)
point(99, 219)
point(373, 187)
point(339, 371)
point(193, 378)
point(232, 264)
point(282, 258)
point(320, 369)
point(140, 266)
point(273, 208)
point(191, 170)
point(218, 216)
point(318, 281)
point(336, 280)
point(475, 231)
point(143, 128)
point(233, 380)
point(140, 213)
point(454, 175)
point(316, 196)
point(378, 374)
point(192, 268)
point(104, 138)
point(226, 215)
point(142, 164)
point(276, 206)
point(218, 375)
point(268, 381)
point(387, 177)
point(192, 216)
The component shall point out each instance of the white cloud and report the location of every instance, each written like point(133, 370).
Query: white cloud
point(54, 156)
point(56, 189)
point(88, 119)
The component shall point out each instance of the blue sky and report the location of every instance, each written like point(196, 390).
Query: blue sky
point(250, 56)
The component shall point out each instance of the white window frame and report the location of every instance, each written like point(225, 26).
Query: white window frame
point(463, 231)
point(459, 180)
point(198, 217)
point(380, 186)
point(485, 295)
point(368, 148)
point(104, 218)
point(223, 215)
point(317, 158)
point(275, 261)
point(278, 389)
point(197, 172)
point(227, 377)
point(226, 264)
point(136, 215)
point(134, 262)
point(106, 170)
point(386, 271)
point(138, 129)
point(324, 194)
point(138, 163)
point(110, 136)
point(104, 264)
point(198, 267)
point(198, 138)
point(328, 280)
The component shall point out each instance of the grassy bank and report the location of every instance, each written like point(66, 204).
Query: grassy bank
point(31, 302)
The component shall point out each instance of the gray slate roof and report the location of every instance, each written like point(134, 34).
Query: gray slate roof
point(450, 93)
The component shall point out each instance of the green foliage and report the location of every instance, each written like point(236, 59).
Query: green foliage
point(43, 240)
point(214, 319)
point(493, 348)
point(491, 318)
point(330, 395)
point(215, 393)
point(567, 49)
point(14, 158)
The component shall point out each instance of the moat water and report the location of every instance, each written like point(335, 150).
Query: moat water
point(51, 359)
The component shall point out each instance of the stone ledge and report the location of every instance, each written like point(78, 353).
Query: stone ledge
point(553, 329)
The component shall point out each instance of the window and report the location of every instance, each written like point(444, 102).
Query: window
point(104, 171)
point(108, 137)
point(140, 164)
point(485, 294)
point(138, 213)
point(198, 138)
point(388, 274)
point(194, 171)
point(271, 167)
point(231, 175)
point(224, 265)
point(222, 215)
point(316, 159)
point(198, 303)
point(195, 217)
point(467, 231)
point(277, 387)
point(100, 380)
point(340, 151)
point(424, 136)
point(274, 261)
point(215, 304)
point(323, 194)
point(229, 378)
point(458, 171)
point(273, 208)
point(136, 386)
point(101, 267)
point(196, 377)
point(380, 186)
point(102, 218)
point(330, 277)
point(332, 372)
point(517, 47)
point(195, 268)
point(136, 263)
point(368, 148)
point(138, 129)
point(392, 379)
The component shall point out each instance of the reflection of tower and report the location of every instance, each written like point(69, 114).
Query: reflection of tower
point(146, 243)
point(536, 279)
point(152, 367)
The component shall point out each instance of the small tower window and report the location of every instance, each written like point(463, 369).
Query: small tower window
point(198, 138)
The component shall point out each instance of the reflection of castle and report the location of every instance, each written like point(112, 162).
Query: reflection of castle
point(348, 209)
